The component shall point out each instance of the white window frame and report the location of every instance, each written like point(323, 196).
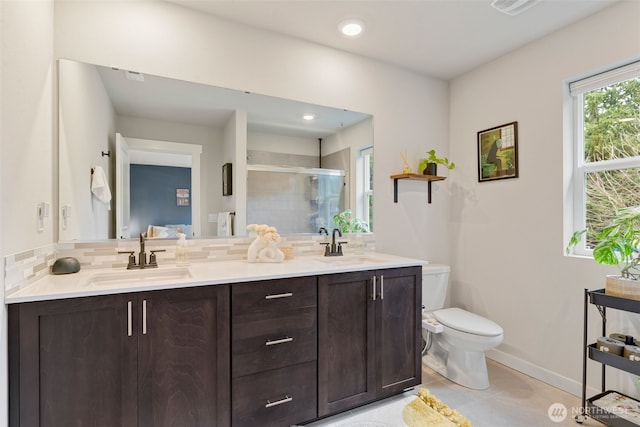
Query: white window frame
point(580, 167)
point(363, 190)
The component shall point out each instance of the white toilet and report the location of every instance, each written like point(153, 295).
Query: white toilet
point(455, 339)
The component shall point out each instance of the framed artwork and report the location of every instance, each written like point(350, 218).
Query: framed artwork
point(226, 180)
point(498, 152)
point(182, 197)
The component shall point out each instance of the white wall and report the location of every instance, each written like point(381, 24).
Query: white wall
point(410, 111)
point(283, 144)
point(507, 236)
point(354, 138)
point(235, 152)
point(26, 137)
point(28, 123)
point(4, 383)
point(86, 130)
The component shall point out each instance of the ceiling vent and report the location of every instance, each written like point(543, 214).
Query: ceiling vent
point(513, 7)
point(134, 76)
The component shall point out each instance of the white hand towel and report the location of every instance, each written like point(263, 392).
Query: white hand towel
point(100, 186)
point(224, 224)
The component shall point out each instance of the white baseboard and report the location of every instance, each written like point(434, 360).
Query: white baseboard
point(541, 374)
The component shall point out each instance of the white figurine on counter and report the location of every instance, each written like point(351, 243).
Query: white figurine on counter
point(264, 248)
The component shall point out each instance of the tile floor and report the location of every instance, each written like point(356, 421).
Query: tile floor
point(512, 400)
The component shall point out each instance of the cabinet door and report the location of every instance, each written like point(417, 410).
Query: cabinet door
point(73, 362)
point(398, 324)
point(346, 365)
point(184, 357)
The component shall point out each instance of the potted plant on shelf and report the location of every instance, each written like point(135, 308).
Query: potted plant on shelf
point(618, 244)
point(429, 166)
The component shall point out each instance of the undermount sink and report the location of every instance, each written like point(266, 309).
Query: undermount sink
point(146, 275)
point(349, 260)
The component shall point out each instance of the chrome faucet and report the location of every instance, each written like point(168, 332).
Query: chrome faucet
point(334, 248)
point(142, 257)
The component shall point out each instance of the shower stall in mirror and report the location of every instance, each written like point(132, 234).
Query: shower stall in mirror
point(294, 199)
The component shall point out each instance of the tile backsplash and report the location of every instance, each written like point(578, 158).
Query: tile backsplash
point(28, 266)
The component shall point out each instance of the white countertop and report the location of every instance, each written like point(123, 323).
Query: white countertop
point(91, 282)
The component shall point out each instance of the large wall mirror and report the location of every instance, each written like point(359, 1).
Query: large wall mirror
point(164, 149)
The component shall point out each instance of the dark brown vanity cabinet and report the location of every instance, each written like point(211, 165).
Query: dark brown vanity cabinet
point(266, 353)
point(156, 358)
point(368, 336)
point(274, 352)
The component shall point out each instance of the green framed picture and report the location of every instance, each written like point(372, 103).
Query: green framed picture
point(498, 152)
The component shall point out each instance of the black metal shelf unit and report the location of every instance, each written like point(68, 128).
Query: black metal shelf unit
point(603, 301)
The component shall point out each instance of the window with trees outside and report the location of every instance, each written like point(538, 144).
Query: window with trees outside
point(607, 148)
point(364, 186)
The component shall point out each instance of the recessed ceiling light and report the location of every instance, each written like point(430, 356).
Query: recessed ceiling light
point(351, 27)
point(513, 7)
point(309, 116)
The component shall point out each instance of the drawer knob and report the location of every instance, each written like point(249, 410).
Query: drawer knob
point(286, 399)
point(280, 341)
point(276, 296)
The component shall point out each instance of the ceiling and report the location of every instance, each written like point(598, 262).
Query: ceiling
point(438, 38)
point(160, 98)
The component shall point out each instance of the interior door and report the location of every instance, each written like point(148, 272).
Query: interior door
point(123, 207)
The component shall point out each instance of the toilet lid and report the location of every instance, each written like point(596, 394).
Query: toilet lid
point(464, 321)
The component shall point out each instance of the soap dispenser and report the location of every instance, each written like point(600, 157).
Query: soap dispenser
point(182, 251)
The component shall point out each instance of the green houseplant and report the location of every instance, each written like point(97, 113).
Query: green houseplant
point(618, 244)
point(429, 166)
point(348, 223)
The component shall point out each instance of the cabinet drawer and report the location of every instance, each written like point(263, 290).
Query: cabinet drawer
point(259, 300)
point(280, 397)
point(274, 343)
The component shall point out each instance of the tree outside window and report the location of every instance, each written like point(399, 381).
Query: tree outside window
point(608, 167)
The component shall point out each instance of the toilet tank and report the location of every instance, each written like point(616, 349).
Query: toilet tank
point(435, 280)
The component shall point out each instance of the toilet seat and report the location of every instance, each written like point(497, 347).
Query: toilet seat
point(464, 321)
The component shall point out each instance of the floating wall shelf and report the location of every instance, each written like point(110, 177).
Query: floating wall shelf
point(414, 177)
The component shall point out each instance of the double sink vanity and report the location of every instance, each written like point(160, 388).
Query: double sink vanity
point(215, 343)
point(226, 343)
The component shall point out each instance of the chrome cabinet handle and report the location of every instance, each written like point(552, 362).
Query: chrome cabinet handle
point(374, 288)
point(381, 287)
point(286, 399)
point(144, 317)
point(280, 341)
point(129, 330)
point(276, 296)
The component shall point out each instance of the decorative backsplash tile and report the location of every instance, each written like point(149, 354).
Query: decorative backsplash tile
point(25, 267)
point(28, 266)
